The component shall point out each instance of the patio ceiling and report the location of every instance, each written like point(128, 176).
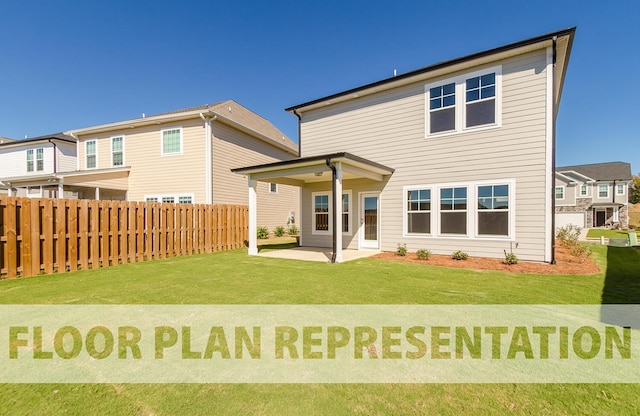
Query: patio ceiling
point(316, 169)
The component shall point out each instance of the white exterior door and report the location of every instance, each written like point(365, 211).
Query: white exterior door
point(369, 233)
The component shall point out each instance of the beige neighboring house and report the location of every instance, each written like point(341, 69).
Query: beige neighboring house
point(458, 155)
point(185, 156)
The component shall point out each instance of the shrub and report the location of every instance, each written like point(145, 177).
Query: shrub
point(568, 233)
point(423, 254)
point(263, 233)
point(401, 250)
point(278, 231)
point(510, 258)
point(293, 230)
point(460, 255)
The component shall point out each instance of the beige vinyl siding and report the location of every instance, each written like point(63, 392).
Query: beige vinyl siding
point(389, 128)
point(233, 149)
point(570, 192)
point(152, 173)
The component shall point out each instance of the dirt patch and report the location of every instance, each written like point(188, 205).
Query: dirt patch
point(565, 263)
point(634, 207)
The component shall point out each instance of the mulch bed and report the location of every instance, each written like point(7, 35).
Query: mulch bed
point(565, 263)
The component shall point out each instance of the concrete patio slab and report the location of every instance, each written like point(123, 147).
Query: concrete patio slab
point(321, 254)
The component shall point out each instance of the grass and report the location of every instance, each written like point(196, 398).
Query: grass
point(235, 278)
point(601, 232)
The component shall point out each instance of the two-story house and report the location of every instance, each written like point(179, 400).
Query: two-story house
point(183, 156)
point(594, 195)
point(31, 167)
point(458, 155)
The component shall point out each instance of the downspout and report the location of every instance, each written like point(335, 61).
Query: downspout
point(299, 130)
point(55, 160)
point(208, 157)
point(334, 209)
point(553, 156)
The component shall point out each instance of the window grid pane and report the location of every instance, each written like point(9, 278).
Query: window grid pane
point(184, 199)
point(171, 141)
point(91, 154)
point(168, 199)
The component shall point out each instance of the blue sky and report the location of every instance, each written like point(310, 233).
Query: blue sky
point(71, 64)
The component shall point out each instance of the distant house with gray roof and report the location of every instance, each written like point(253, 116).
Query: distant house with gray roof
point(593, 195)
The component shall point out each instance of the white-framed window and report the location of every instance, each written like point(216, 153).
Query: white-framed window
point(453, 210)
point(273, 188)
point(117, 151)
point(171, 141)
point(620, 189)
point(493, 210)
point(91, 154)
point(603, 191)
point(35, 163)
point(322, 220)
point(418, 211)
point(467, 102)
point(170, 198)
point(482, 210)
point(346, 212)
point(559, 192)
point(584, 190)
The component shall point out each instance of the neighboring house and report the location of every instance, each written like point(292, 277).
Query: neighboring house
point(454, 156)
point(32, 167)
point(594, 195)
point(185, 156)
point(6, 140)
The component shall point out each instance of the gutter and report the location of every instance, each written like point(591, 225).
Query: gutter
point(334, 209)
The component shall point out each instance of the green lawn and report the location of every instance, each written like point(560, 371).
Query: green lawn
point(601, 232)
point(235, 278)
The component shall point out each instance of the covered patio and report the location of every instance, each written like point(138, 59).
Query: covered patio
point(319, 254)
point(333, 169)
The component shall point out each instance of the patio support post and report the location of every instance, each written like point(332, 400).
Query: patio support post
point(9, 190)
point(337, 229)
point(60, 190)
point(97, 194)
point(253, 218)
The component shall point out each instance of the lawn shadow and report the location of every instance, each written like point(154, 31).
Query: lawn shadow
point(621, 287)
point(271, 247)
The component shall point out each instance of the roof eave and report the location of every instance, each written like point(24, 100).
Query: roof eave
point(425, 72)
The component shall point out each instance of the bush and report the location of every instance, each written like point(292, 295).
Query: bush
point(569, 233)
point(423, 254)
point(401, 250)
point(278, 231)
point(460, 255)
point(263, 233)
point(510, 258)
point(293, 230)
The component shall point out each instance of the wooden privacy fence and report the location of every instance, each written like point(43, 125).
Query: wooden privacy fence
point(58, 235)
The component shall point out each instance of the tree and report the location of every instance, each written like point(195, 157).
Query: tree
point(634, 190)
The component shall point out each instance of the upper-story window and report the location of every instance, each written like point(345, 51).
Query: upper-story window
point(584, 190)
point(559, 192)
point(481, 100)
point(273, 188)
point(37, 163)
point(117, 151)
point(477, 106)
point(603, 191)
point(620, 189)
point(171, 141)
point(91, 154)
point(442, 108)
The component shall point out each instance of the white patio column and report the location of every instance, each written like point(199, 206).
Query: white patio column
point(60, 191)
point(9, 189)
point(97, 194)
point(338, 213)
point(253, 218)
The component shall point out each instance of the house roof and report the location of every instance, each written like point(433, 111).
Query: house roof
point(620, 171)
point(59, 137)
point(564, 40)
point(6, 140)
point(229, 112)
point(310, 169)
